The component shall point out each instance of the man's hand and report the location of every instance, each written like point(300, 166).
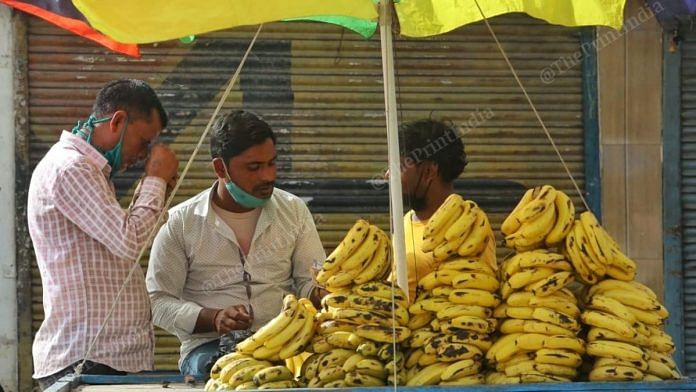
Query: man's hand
point(317, 294)
point(232, 318)
point(162, 163)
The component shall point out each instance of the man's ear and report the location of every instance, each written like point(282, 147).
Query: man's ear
point(117, 121)
point(219, 167)
point(431, 169)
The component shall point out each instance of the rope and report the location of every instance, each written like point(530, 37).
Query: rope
point(136, 265)
point(529, 100)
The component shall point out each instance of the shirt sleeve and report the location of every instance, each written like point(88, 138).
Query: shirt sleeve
point(308, 249)
point(84, 196)
point(166, 276)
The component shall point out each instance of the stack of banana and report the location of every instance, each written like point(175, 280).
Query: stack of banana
point(358, 328)
point(362, 256)
point(625, 335)
point(237, 371)
point(595, 254)
point(452, 324)
point(539, 321)
point(542, 218)
point(458, 227)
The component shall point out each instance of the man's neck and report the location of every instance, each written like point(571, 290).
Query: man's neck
point(434, 200)
point(222, 199)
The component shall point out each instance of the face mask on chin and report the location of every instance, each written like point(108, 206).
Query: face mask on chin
point(240, 196)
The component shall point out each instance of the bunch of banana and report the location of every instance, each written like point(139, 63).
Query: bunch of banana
point(286, 335)
point(543, 217)
point(625, 330)
point(595, 254)
point(364, 255)
point(458, 227)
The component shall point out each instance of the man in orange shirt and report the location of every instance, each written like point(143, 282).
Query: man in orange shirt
point(432, 157)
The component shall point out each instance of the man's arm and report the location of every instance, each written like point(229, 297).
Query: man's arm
point(308, 249)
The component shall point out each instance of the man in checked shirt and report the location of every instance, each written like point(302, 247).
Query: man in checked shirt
point(227, 257)
point(85, 243)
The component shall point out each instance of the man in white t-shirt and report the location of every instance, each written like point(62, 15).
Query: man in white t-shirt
point(226, 257)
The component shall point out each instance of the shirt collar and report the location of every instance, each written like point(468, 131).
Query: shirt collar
point(86, 149)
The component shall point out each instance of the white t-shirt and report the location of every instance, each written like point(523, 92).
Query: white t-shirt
point(242, 223)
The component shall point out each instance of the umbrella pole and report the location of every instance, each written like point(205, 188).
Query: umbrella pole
point(397, 208)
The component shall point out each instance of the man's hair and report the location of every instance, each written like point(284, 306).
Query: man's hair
point(236, 131)
point(436, 141)
point(134, 96)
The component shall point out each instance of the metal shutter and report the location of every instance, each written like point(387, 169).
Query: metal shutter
point(688, 196)
point(320, 88)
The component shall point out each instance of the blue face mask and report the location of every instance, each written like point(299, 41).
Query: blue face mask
point(85, 131)
point(239, 195)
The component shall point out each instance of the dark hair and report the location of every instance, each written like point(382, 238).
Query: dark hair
point(236, 131)
point(134, 96)
point(434, 140)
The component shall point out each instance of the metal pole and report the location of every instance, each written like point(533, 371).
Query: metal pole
point(397, 208)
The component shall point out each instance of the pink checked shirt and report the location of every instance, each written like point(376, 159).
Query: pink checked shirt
point(85, 244)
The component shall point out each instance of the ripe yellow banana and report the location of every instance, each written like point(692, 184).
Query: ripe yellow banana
point(596, 333)
point(331, 373)
point(478, 238)
point(331, 326)
point(520, 312)
point(246, 374)
point(378, 333)
point(613, 284)
point(296, 344)
point(533, 232)
point(284, 384)
point(463, 368)
point(529, 276)
point(417, 321)
point(615, 373)
point(429, 375)
point(512, 222)
point(551, 283)
point(341, 279)
point(349, 364)
point(610, 322)
point(413, 357)
point(557, 318)
point(343, 339)
point(354, 238)
point(561, 357)
point(662, 370)
point(451, 208)
point(223, 361)
point(537, 341)
point(556, 303)
point(271, 374)
point(380, 260)
point(285, 334)
point(363, 254)
point(503, 348)
point(475, 280)
point(543, 198)
point(587, 252)
point(235, 365)
point(367, 349)
point(565, 211)
point(474, 297)
point(618, 350)
point(637, 301)
point(611, 306)
point(498, 378)
point(539, 377)
point(469, 323)
point(358, 316)
point(474, 379)
point(355, 379)
point(381, 290)
point(583, 271)
point(452, 352)
point(371, 367)
point(468, 264)
point(533, 326)
point(603, 361)
point(463, 225)
point(453, 311)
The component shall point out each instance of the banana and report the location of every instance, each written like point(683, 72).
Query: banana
point(381, 305)
point(211, 385)
point(420, 337)
point(620, 274)
point(613, 284)
point(447, 249)
point(430, 375)
point(551, 284)
point(413, 357)
point(610, 322)
point(662, 370)
point(353, 239)
point(463, 225)
point(618, 350)
point(296, 345)
point(429, 305)
point(453, 311)
point(331, 326)
point(452, 352)
point(246, 374)
point(355, 379)
point(531, 366)
point(469, 264)
point(341, 279)
point(556, 318)
point(642, 302)
point(442, 291)
point(363, 254)
point(520, 312)
point(533, 326)
point(331, 373)
point(536, 341)
point(530, 259)
point(587, 252)
point(380, 260)
point(651, 378)
point(343, 339)
point(432, 241)
point(645, 289)
point(371, 367)
point(474, 297)
point(529, 276)
point(663, 358)
point(562, 357)
point(245, 386)
point(283, 384)
point(512, 222)
point(429, 282)
point(386, 352)
point(367, 349)
point(537, 377)
point(532, 233)
point(661, 343)
point(522, 356)
point(271, 374)
point(615, 373)
point(503, 348)
point(482, 341)
point(476, 241)
point(273, 332)
point(557, 304)
point(223, 361)
point(497, 378)
point(599, 239)
point(582, 270)
point(605, 334)
point(543, 198)
point(621, 261)
point(469, 323)
point(475, 379)
point(449, 211)
point(378, 333)
point(603, 361)
point(381, 290)
point(310, 366)
point(234, 366)
point(564, 221)
point(463, 368)
point(417, 321)
point(358, 316)
point(475, 280)
point(611, 306)
point(319, 345)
